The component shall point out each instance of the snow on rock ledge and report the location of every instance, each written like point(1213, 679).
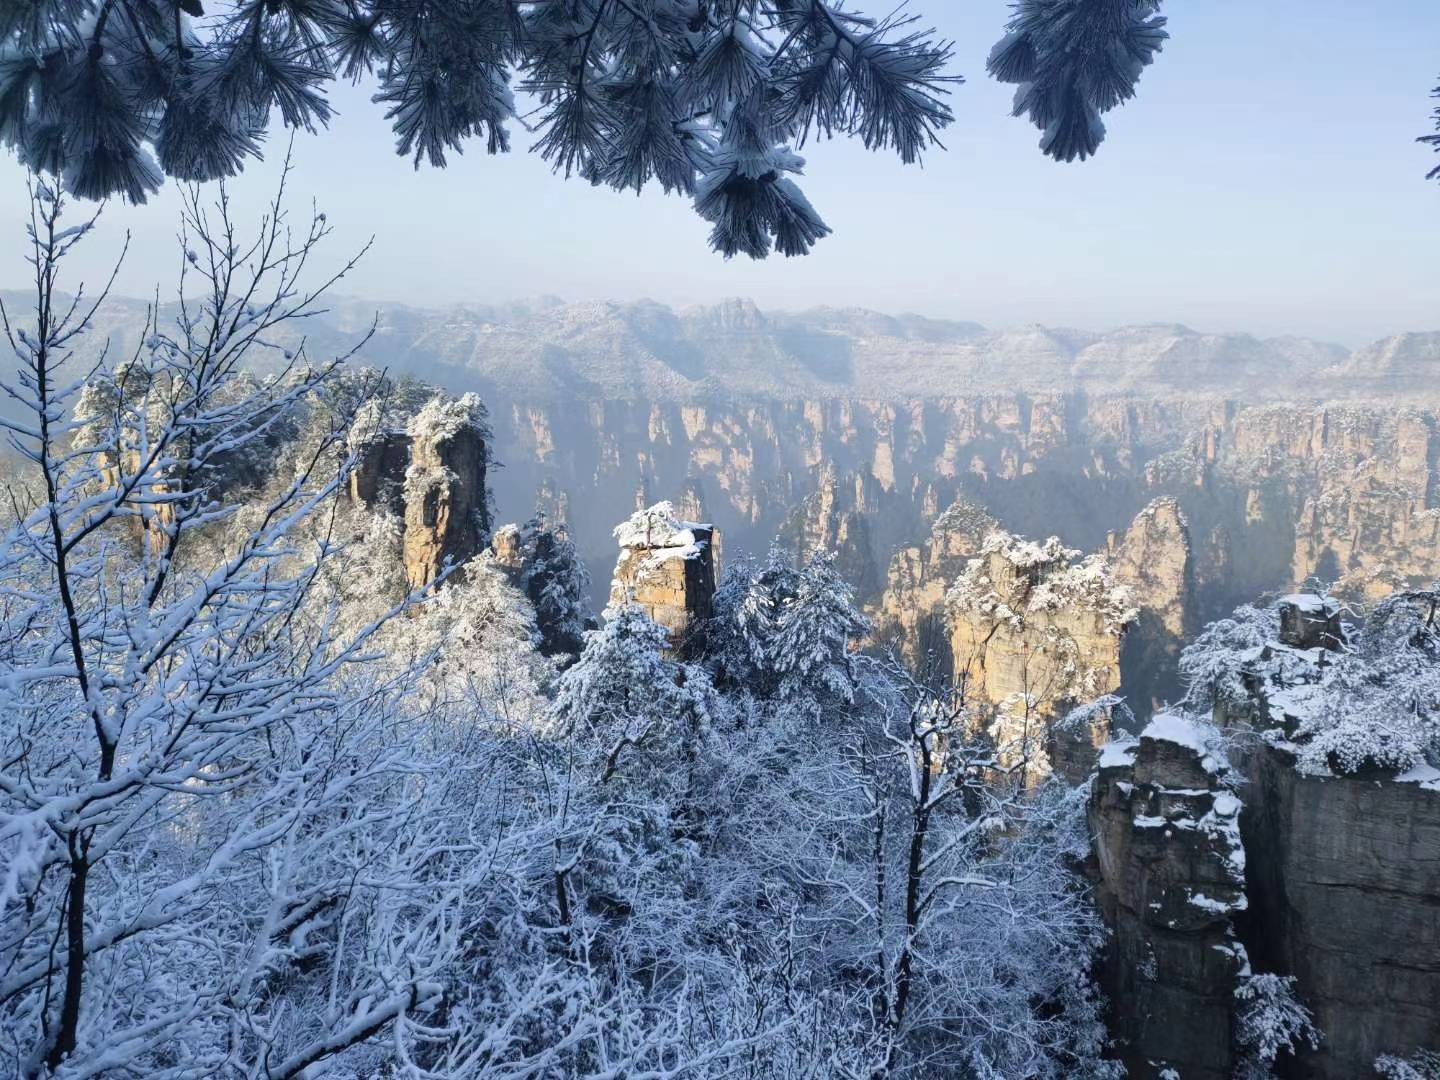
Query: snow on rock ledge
point(666, 567)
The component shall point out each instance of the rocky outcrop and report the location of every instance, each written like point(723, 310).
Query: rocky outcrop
point(1343, 871)
point(446, 510)
point(1344, 885)
point(1308, 621)
point(506, 547)
point(1034, 631)
point(911, 612)
point(1154, 560)
point(1341, 876)
point(665, 568)
point(1169, 878)
point(378, 480)
point(1272, 494)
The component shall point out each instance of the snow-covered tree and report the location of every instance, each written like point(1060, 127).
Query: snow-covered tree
point(1434, 141)
point(958, 901)
point(173, 732)
point(477, 644)
point(1269, 1021)
point(629, 701)
point(557, 583)
point(1214, 665)
point(1422, 1065)
point(784, 630)
point(231, 841)
point(708, 100)
point(1379, 703)
point(1371, 702)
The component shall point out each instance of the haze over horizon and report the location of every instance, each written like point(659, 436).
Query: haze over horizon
point(797, 309)
point(1205, 206)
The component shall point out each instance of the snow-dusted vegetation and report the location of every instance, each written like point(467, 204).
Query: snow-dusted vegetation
point(267, 811)
point(1362, 698)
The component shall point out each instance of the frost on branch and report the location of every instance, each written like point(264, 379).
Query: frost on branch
point(1434, 142)
point(1422, 1065)
point(709, 101)
point(1269, 1021)
point(1074, 60)
point(786, 631)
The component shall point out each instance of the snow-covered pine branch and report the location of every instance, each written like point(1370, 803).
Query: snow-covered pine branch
point(708, 100)
point(1072, 61)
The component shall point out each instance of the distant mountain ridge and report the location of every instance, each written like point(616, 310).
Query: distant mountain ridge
point(546, 349)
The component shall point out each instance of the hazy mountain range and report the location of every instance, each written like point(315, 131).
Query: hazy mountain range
point(548, 349)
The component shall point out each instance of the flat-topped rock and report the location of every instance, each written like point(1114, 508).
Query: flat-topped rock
point(666, 567)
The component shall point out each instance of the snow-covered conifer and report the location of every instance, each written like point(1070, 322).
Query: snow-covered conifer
point(558, 584)
point(785, 630)
point(1269, 1021)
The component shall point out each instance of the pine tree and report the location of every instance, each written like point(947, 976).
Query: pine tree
point(558, 585)
point(782, 631)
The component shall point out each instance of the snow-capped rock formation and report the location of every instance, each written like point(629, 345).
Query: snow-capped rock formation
point(911, 613)
point(446, 512)
point(1154, 560)
point(1035, 630)
point(665, 568)
point(1337, 846)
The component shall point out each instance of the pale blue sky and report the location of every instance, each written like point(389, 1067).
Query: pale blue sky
point(1266, 179)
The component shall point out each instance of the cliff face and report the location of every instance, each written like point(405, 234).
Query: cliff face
point(1344, 886)
point(1372, 523)
point(378, 482)
point(1254, 498)
point(1035, 631)
point(1338, 882)
point(1170, 876)
point(1154, 559)
point(911, 613)
point(444, 503)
